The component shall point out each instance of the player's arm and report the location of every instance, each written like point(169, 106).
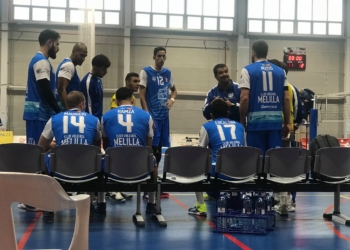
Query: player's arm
point(286, 111)
point(42, 71)
point(206, 107)
point(97, 139)
point(244, 85)
point(143, 89)
point(173, 90)
point(65, 74)
point(46, 136)
point(203, 138)
point(105, 140)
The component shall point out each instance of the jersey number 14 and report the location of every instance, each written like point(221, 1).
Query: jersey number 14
point(73, 121)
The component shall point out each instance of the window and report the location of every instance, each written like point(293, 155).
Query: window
point(187, 14)
point(68, 11)
point(312, 17)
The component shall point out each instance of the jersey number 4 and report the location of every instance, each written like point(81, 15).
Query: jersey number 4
point(232, 128)
point(128, 123)
point(73, 121)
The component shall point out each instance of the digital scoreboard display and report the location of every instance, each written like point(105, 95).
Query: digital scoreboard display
point(295, 58)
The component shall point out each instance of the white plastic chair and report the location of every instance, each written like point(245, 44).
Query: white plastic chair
point(21, 187)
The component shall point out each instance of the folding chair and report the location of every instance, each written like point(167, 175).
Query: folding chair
point(19, 157)
point(242, 164)
point(287, 165)
point(334, 163)
point(129, 165)
point(22, 187)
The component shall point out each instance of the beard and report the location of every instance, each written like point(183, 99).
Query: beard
point(52, 53)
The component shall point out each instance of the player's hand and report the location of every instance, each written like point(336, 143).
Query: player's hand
point(170, 104)
point(285, 132)
point(244, 123)
point(228, 103)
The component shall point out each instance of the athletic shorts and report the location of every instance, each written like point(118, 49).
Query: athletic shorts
point(34, 129)
point(161, 133)
point(264, 140)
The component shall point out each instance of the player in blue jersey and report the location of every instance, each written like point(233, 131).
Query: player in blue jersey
point(227, 90)
point(127, 125)
point(67, 78)
point(91, 85)
point(221, 132)
point(264, 94)
point(154, 88)
point(40, 102)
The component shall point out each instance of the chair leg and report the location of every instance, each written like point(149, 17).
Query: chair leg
point(158, 216)
point(137, 217)
point(80, 239)
point(336, 211)
point(7, 230)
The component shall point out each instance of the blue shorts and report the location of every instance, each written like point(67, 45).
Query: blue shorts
point(34, 129)
point(264, 140)
point(161, 133)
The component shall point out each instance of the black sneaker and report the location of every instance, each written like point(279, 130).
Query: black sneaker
point(28, 208)
point(126, 196)
point(151, 208)
point(101, 208)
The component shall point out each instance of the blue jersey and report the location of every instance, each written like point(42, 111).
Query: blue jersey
point(92, 88)
point(73, 127)
point(221, 133)
point(67, 70)
point(127, 126)
point(35, 108)
point(232, 94)
point(266, 82)
point(158, 85)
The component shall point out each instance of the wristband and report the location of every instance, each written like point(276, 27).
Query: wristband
point(172, 99)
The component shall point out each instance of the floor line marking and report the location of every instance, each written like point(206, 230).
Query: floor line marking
point(212, 225)
point(22, 242)
point(330, 225)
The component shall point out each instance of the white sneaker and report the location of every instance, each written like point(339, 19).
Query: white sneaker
point(281, 209)
point(290, 208)
point(117, 197)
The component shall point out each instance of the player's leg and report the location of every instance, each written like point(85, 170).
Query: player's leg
point(165, 142)
point(258, 139)
point(200, 208)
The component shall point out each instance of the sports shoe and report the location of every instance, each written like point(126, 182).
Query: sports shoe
point(116, 196)
point(290, 208)
point(151, 208)
point(281, 209)
point(208, 197)
point(164, 195)
point(28, 208)
point(100, 208)
point(126, 196)
point(198, 209)
point(145, 197)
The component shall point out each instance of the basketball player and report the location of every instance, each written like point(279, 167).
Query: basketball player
point(128, 126)
point(67, 77)
point(154, 88)
point(221, 132)
point(91, 85)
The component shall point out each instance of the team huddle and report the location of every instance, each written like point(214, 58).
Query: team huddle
point(62, 107)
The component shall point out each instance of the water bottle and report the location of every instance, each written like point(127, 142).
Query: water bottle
point(260, 206)
point(247, 205)
point(268, 202)
point(221, 205)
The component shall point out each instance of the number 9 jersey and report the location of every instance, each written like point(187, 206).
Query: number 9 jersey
point(127, 126)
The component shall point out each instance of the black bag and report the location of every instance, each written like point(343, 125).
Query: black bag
point(322, 141)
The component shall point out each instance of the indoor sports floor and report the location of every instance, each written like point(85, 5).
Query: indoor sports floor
point(304, 229)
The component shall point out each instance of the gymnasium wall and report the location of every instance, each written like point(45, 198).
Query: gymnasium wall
point(191, 58)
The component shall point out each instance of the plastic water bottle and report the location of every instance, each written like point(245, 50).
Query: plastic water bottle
point(268, 202)
point(221, 205)
point(260, 206)
point(247, 205)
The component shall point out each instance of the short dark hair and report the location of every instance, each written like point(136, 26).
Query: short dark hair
point(46, 35)
point(123, 94)
point(129, 75)
point(276, 62)
point(218, 108)
point(101, 61)
point(74, 98)
point(285, 67)
point(218, 66)
point(156, 50)
point(260, 48)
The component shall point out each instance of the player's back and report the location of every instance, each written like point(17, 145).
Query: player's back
point(266, 96)
point(158, 85)
point(35, 108)
point(92, 88)
point(224, 133)
point(74, 127)
point(126, 126)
